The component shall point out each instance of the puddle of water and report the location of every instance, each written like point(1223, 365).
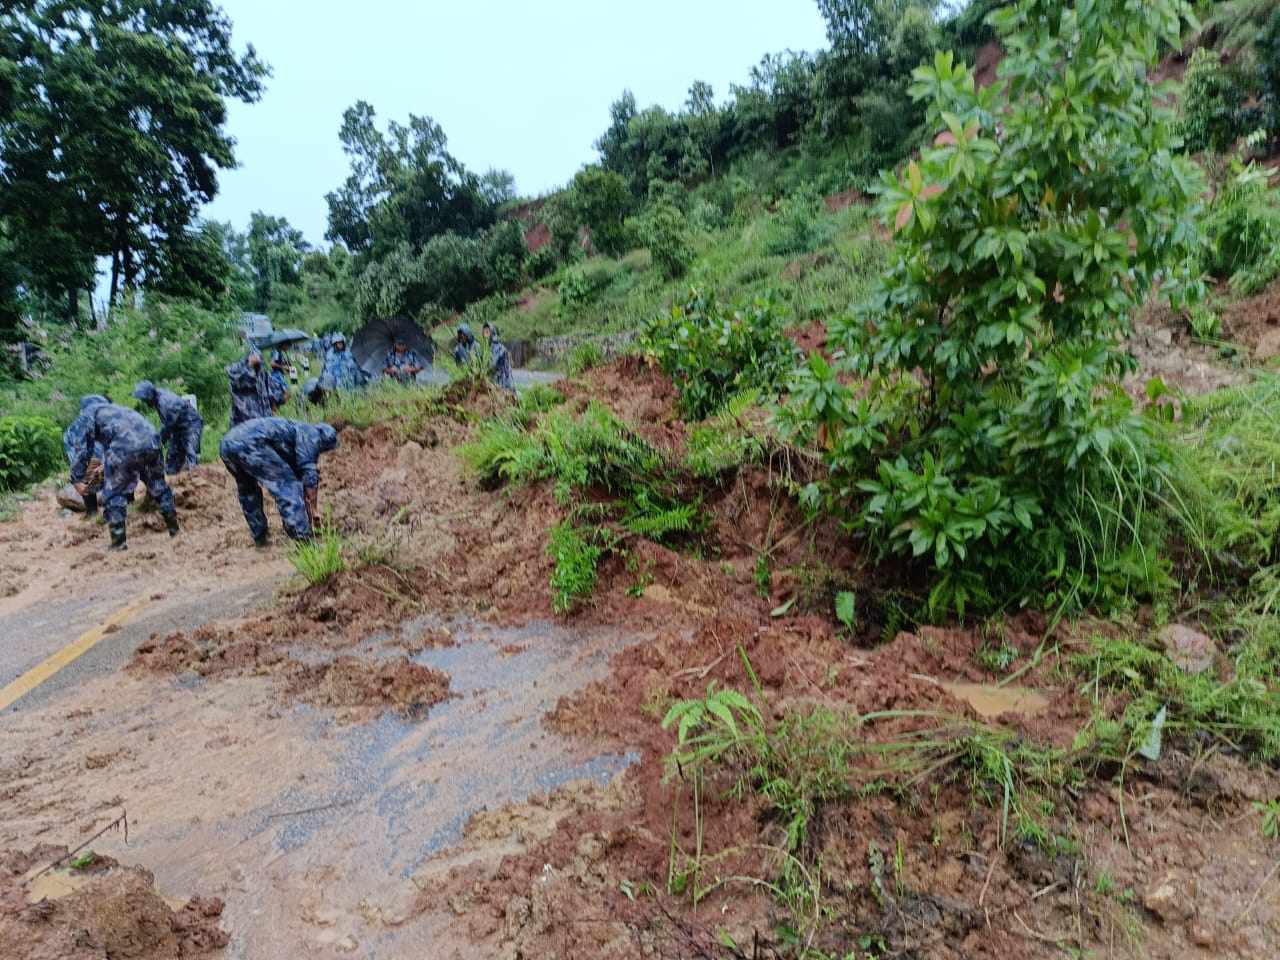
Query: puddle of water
point(56, 885)
point(407, 788)
point(991, 701)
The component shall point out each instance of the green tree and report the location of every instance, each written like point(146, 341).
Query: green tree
point(603, 202)
point(1044, 212)
point(275, 254)
point(114, 133)
point(405, 187)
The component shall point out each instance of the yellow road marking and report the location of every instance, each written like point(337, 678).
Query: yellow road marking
point(67, 655)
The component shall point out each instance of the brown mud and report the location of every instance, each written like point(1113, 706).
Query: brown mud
point(102, 912)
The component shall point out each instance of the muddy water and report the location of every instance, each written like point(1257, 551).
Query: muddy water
point(312, 828)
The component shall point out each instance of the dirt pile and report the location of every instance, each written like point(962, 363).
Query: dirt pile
point(107, 912)
point(409, 688)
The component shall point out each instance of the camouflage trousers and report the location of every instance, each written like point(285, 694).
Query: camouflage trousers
point(261, 469)
point(123, 470)
point(182, 448)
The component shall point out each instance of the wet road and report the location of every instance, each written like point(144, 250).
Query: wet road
point(319, 833)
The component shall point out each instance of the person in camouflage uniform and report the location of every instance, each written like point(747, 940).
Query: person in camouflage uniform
point(341, 372)
point(464, 345)
point(402, 363)
point(283, 456)
point(74, 438)
point(131, 450)
point(253, 394)
point(499, 359)
point(181, 427)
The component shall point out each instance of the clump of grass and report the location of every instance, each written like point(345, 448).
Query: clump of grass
point(577, 551)
point(584, 357)
point(321, 558)
point(615, 483)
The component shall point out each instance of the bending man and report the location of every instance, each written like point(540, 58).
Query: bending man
point(283, 456)
point(72, 441)
point(131, 450)
point(181, 427)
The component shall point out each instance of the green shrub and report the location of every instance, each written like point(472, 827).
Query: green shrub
point(1212, 103)
point(1242, 231)
point(175, 344)
point(541, 263)
point(30, 450)
point(662, 229)
point(712, 351)
point(602, 203)
point(1019, 467)
point(1267, 52)
point(799, 226)
point(504, 255)
point(577, 557)
point(582, 286)
point(583, 357)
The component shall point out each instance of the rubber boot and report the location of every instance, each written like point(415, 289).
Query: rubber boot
point(262, 542)
point(118, 537)
point(171, 523)
point(90, 505)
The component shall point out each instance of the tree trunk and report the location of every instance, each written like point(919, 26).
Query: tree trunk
point(115, 279)
point(73, 305)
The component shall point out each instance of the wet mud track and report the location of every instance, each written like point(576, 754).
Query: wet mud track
point(311, 828)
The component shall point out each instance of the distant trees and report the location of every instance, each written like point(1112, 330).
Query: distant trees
point(423, 228)
point(851, 98)
point(112, 130)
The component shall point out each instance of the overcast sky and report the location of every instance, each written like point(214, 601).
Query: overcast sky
point(523, 85)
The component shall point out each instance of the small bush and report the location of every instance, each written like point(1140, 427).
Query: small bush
point(1212, 103)
point(1242, 230)
point(577, 556)
point(799, 226)
point(712, 351)
point(662, 229)
point(583, 357)
point(321, 558)
point(582, 286)
point(30, 450)
point(541, 263)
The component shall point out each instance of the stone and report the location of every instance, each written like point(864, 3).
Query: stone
point(1201, 934)
point(1167, 899)
point(1188, 648)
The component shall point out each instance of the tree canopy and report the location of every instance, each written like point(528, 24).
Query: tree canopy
point(112, 131)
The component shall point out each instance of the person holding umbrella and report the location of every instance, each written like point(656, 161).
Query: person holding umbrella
point(402, 362)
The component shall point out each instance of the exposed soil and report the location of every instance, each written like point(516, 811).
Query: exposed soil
point(102, 913)
point(1164, 348)
point(1254, 323)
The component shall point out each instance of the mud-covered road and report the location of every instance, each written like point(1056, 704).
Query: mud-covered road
point(315, 823)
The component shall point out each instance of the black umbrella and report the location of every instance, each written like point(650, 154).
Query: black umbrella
point(371, 343)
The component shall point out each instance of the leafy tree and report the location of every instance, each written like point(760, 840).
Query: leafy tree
point(602, 203)
point(114, 132)
point(405, 187)
point(275, 254)
point(1044, 212)
point(194, 266)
